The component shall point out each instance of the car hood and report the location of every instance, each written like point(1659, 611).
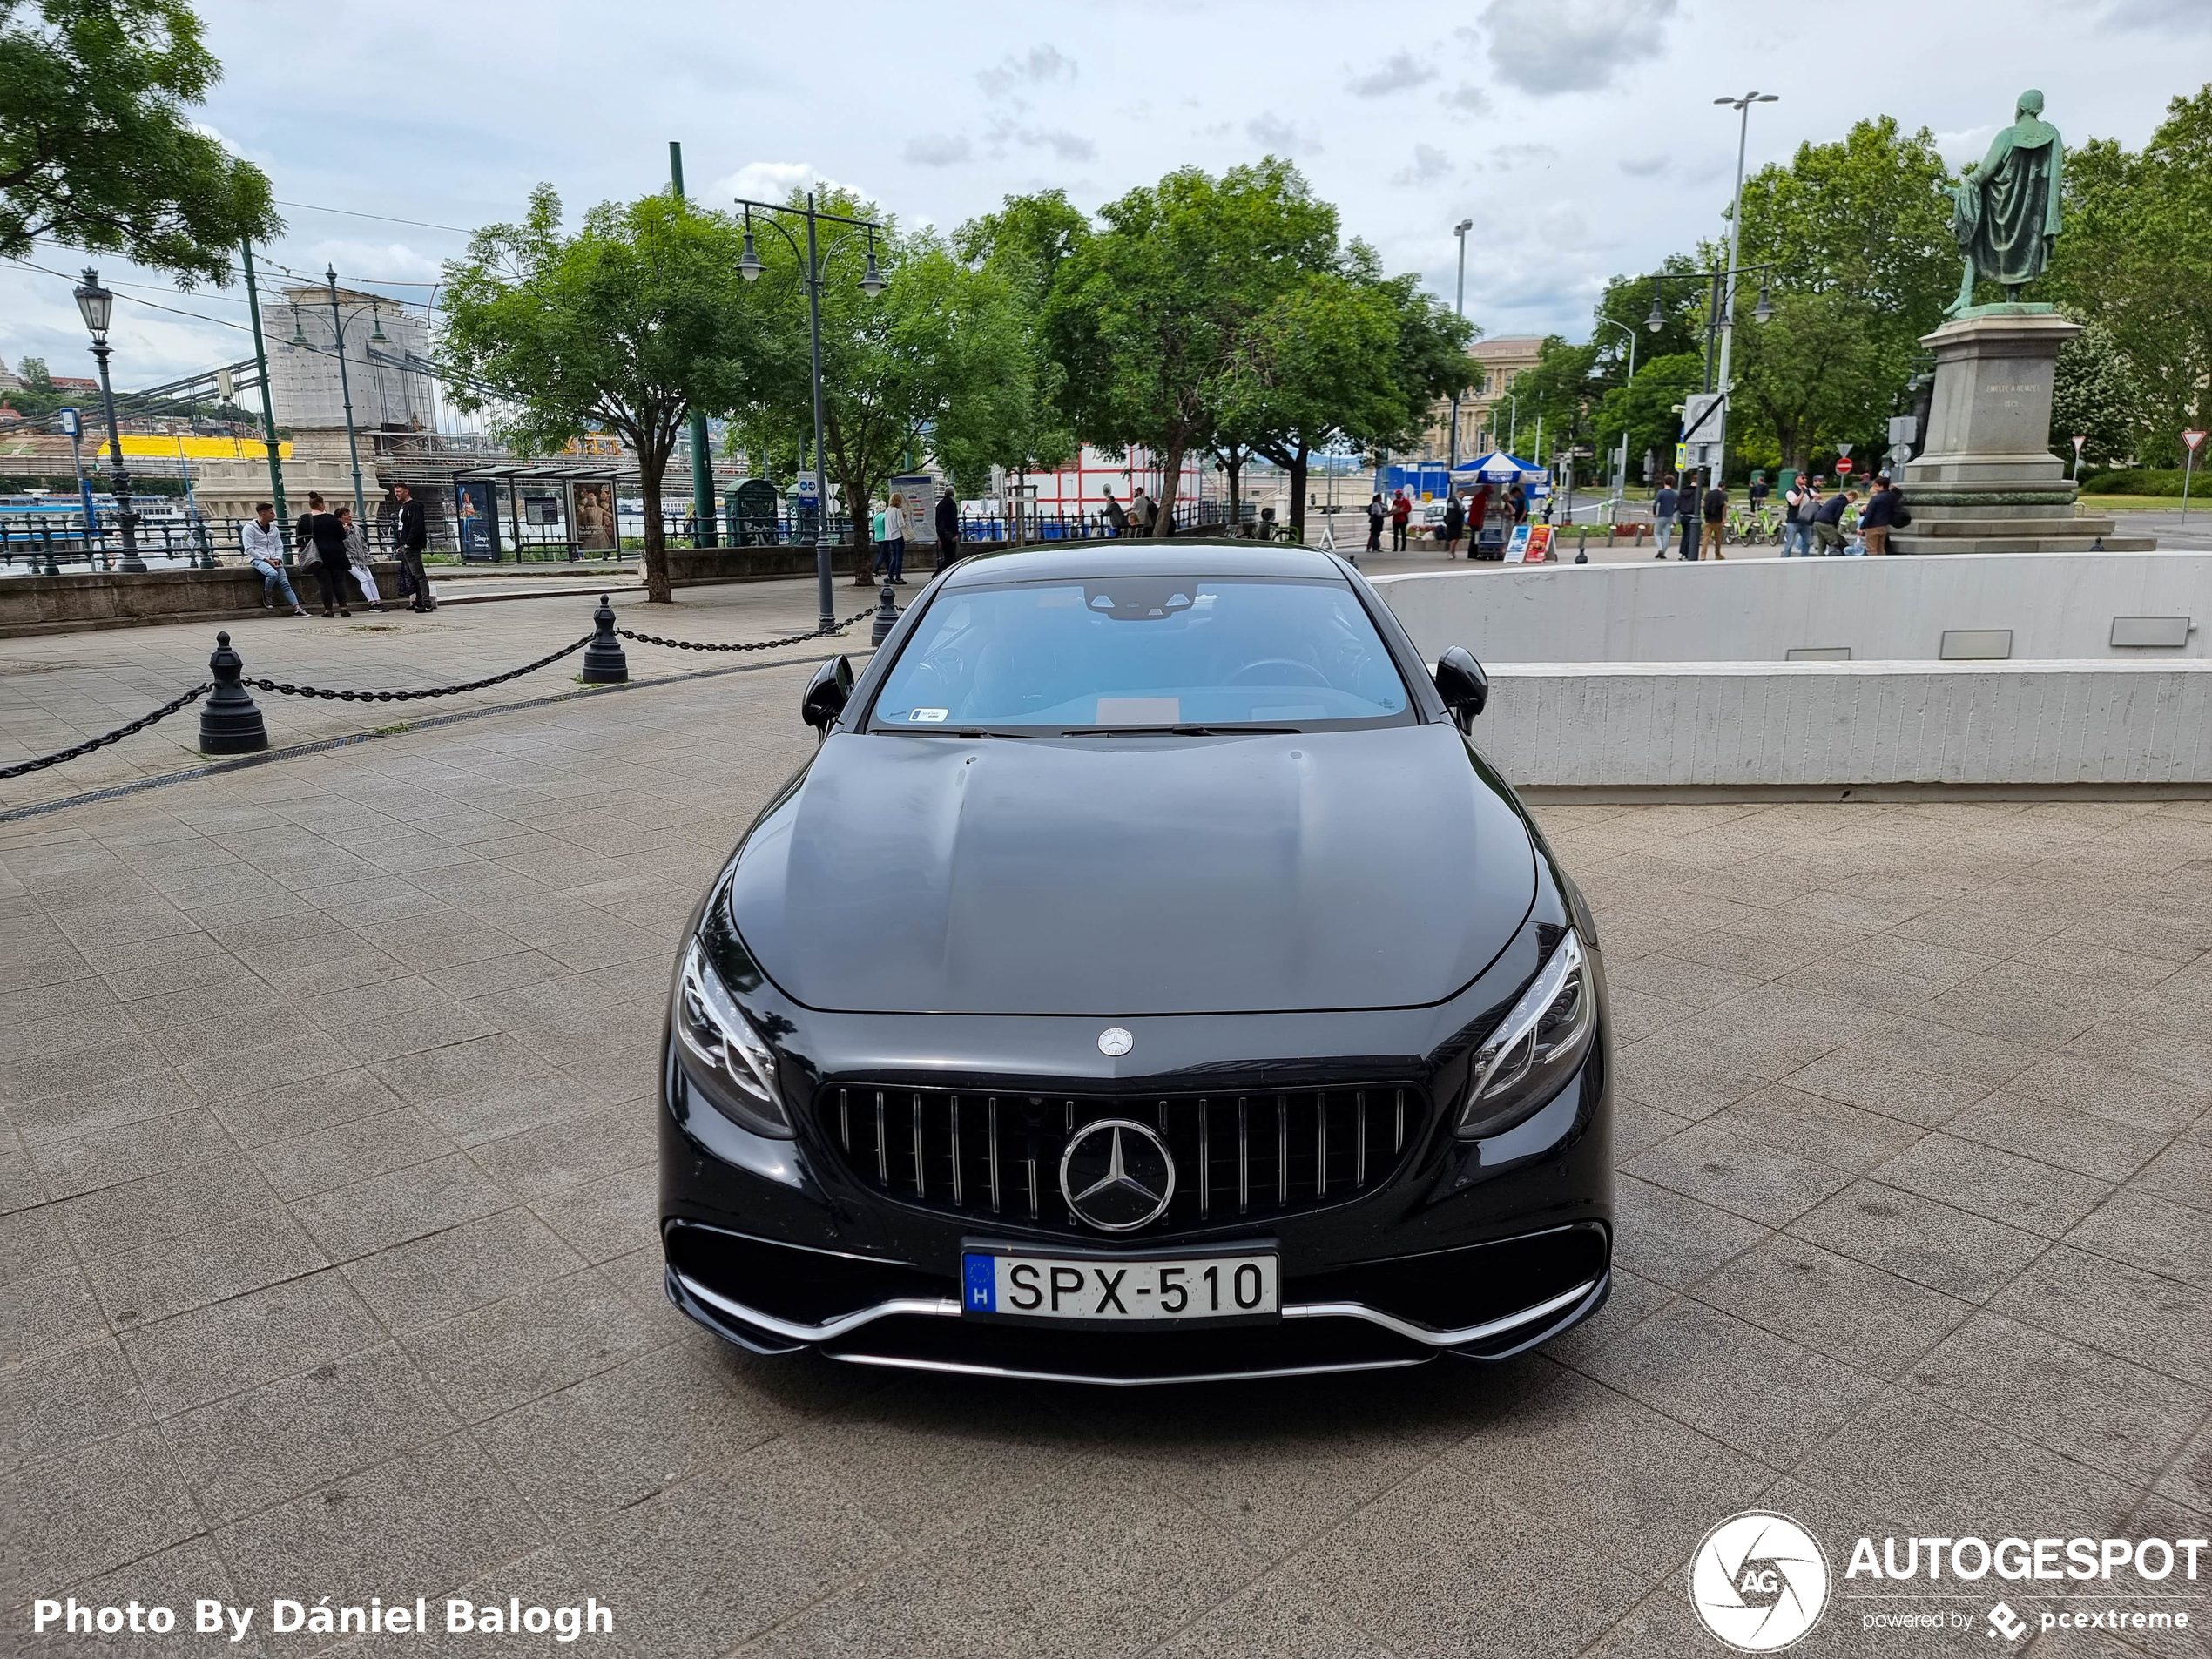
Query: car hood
point(1121, 876)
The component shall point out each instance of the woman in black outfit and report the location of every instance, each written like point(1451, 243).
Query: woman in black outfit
point(331, 564)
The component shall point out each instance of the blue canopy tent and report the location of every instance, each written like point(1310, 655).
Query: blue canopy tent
point(1498, 470)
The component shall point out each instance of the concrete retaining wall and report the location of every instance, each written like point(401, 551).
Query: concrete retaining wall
point(1730, 726)
point(2058, 606)
point(72, 604)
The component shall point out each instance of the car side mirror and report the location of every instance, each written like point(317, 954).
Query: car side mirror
point(829, 691)
point(1462, 685)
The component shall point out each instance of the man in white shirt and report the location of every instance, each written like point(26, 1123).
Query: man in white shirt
point(264, 551)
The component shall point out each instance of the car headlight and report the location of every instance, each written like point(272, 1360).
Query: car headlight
point(723, 1057)
point(1537, 1047)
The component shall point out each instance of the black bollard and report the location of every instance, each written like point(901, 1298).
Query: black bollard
point(230, 720)
point(887, 618)
point(604, 661)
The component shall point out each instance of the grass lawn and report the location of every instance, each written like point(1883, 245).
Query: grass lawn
point(2095, 505)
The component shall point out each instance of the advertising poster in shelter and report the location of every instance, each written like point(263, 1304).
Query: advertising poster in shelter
point(918, 493)
point(475, 518)
point(591, 515)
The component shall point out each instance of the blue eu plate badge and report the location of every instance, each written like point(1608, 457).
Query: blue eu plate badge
point(982, 1283)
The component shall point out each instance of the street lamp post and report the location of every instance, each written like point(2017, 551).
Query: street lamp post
point(1743, 107)
point(1460, 309)
point(816, 262)
point(97, 305)
point(346, 393)
point(1621, 474)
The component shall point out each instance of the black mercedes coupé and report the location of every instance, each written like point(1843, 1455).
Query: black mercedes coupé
point(1146, 979)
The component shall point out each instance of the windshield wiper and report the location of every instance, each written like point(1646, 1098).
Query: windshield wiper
point(1181, 730)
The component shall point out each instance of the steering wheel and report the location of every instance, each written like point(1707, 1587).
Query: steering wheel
point(1300, 673)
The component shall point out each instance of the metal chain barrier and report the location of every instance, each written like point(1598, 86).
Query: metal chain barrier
point(287, 688)
point(757, 644)
point(116, 736)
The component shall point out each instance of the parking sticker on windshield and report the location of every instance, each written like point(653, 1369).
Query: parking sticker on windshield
point(929, 716)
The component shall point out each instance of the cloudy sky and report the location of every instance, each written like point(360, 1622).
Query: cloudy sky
point(1579, 135)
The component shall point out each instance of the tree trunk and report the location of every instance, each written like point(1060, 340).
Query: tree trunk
point(1171, 476)
point(863, 529)
point(1298, 491)
point(1235, 467)
point(652, 462)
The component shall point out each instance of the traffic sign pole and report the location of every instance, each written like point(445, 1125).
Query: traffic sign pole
point(2190, 442)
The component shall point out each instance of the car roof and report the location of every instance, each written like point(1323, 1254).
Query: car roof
point(1177, 557)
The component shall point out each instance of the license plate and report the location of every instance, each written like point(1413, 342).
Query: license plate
point(1092, 1288)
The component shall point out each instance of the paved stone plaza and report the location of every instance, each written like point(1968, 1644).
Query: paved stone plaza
point(327, 1263)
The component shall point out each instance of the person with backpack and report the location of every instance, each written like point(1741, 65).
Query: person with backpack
point(1716, 515)
point(1800, 505)
point(1377, 515)
point(1455, 520)
point(322, 550)
point(1663, 514)
point(1686, 518)
point(1878, 517)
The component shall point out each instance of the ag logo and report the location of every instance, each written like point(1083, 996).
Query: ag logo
point(1758, 1581)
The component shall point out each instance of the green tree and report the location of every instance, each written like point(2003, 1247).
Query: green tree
point(37, 375)
point(1154, 316)
point(626, 326)
point(98, 149)
point(1823, 370)
point(2095, 397)
point(942, 358)
point(1649, 408)
point(2135, 257)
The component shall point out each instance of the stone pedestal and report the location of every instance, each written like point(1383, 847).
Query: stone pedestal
point(1986, 481)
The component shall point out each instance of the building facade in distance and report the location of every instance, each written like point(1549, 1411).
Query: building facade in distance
point(1497, 363)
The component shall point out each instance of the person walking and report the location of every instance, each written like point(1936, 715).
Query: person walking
point(324, 552)
point(410, 537)
point(1116, 517)
point(1377, 514)
point(1799, 503)
point(264, 546)
point(357, 559)
point(948, 529)
point(895, 541)
point(1455, 520)
point(1878, 517)
point(1716, 515)
point(1828, 522)
point(1663, 514)
point(1686, 518)
point(1401, 512)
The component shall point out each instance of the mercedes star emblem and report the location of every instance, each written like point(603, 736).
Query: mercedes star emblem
point(1115, 1041)
point(1116, 1174)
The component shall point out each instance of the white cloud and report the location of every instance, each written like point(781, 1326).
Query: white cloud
point(1643, 166)
point(2165, 16)
point(771, 181)
point(1277, 136)
point(1032, 68)
point(934, 150)
point(1430, 166)
point(1548, 47)
point(1397, 72)
point(1467, 100)
point(374, 261)
point(1507, 158)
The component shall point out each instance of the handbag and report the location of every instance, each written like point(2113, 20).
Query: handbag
point(407, 579)
point(1900, 516)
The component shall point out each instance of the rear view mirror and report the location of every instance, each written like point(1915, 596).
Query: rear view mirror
point(829, 691)
point(1462, 685)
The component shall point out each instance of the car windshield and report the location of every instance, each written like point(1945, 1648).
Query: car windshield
point(1118, 653)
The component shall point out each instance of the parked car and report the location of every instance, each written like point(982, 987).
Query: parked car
point(1146, 979)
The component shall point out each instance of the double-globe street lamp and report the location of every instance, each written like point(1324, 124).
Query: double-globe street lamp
point(1621, 486)
point(814, 261)
point(97, 304)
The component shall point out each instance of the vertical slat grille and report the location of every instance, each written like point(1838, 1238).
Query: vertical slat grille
point(934, 1148)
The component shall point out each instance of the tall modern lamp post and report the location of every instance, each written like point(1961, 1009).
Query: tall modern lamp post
point(1460, 309)
point(814, 261)
point(98, 306)
point(1743, 107)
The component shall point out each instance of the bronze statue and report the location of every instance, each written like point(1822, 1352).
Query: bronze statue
point(2005, 212)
